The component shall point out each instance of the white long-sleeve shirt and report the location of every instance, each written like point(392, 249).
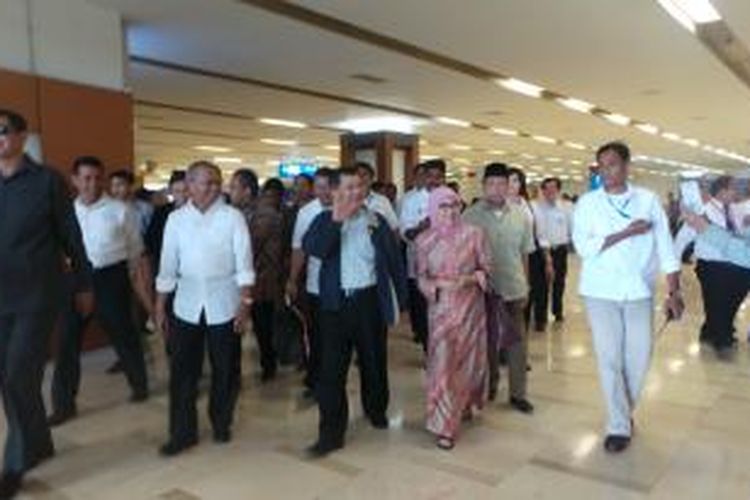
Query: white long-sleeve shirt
point(704, 250)
point(627, 270)
point(206, 257)
point(414, 206)
point(553, 222)
point(305, 218)
point(110, 231)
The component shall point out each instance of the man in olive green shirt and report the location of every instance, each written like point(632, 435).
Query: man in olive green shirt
point(510, 236)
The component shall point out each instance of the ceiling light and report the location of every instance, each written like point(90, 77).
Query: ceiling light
point(691, 142)
point(617, 119)
point(648, 128)
point(227, 159)
point(575, 145)
point(282, 123)
point(498, 152)
point(459, 147)
point(331, 147)
point(690, 13)
point(576, 104)
point(544, 139)
point(379, 124)
point(279, 142)
point(671, 136)
point(528, 156)
point(505, 131)
point(521, 87)
point(213, 149)
point(554, 160)
point(576, 162)
point(455, 122)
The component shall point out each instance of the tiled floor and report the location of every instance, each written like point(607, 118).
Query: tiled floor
point(693, 437)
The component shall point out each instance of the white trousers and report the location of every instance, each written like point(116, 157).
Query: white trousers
point(622, 334)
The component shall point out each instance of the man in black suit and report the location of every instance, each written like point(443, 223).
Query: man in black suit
point(361, 268)
point(37, 228)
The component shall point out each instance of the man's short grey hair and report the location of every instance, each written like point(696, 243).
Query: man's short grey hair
point(194, 167)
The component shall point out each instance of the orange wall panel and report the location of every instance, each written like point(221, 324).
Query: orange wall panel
point(18, 92)
point(79, 120)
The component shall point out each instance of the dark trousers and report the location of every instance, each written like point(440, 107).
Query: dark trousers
point(418, 314)
point(724, 287)
point(559, 274)
point(357, 325)
point(263, 320)
point(23, 354)
point(538, 303)
point(188, 343)
point(314, 340)
point(113, 311)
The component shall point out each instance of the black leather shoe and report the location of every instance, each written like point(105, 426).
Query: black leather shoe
point(223, 436)
point(380, 422)
point(139, 396)
point(10, 484)
point(522, 405)
point(616, 444)
point(115, 368)
point(321, 449)
point(60, 417)
point(172, 448)
point(267, 376)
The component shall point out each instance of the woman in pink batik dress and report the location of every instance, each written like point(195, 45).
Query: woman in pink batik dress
point(452, 266)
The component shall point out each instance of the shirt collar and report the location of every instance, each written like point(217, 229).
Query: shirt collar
point(215, 205)
point(103, 199)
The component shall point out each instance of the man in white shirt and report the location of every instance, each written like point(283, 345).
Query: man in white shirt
point(552, 217)
point(413, 221)
point(322, 188)
point(114, 248)
point(724, 285)
point(207, 263)
point(621, 232)
point(375, 201)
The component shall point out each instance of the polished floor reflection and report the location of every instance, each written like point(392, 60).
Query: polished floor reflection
point(692, 441)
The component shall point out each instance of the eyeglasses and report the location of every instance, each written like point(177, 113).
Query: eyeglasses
point(5, 130)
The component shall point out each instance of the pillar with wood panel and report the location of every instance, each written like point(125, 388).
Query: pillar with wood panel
point(393, 155)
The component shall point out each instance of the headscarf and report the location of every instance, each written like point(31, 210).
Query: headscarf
point(441, 196)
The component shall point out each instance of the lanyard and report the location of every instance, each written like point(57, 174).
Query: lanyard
point(621, 210)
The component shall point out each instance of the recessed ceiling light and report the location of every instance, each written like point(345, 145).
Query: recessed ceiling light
point(213, 149)
point(576, 162)
point(521, 87)
point(455, 122)
point(504, 131)
point(544, 139)
point(227, 159)
point(279, 142)
point(282, 123)
point(648, 128)
point(498, 152)
point(528, 156)
point(617, 119)
point(459, 147)
point(554, 160)
point(331, 147)
point(575, 145)
point(576, 104)
point(671, 136)
point(691, 142)
point(379, 124)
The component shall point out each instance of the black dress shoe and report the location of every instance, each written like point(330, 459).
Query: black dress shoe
point(10, 484)
point(60, 417)
point(380, 422)
point(522, 405)
point(116, 367)
point(139, 396)
point(320, 449)
point(267, 376)
point(172, 448)
point(616, 444)
point(222, 436)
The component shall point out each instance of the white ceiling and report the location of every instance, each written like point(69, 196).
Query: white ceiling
point(625, 56)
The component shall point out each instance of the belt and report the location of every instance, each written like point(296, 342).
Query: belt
point(351, 293)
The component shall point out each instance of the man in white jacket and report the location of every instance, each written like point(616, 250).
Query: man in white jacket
point(621, 233)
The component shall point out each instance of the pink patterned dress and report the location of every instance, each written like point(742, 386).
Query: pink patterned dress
point(457, 352)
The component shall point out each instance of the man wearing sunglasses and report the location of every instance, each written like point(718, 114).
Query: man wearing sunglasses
point(38, 228)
